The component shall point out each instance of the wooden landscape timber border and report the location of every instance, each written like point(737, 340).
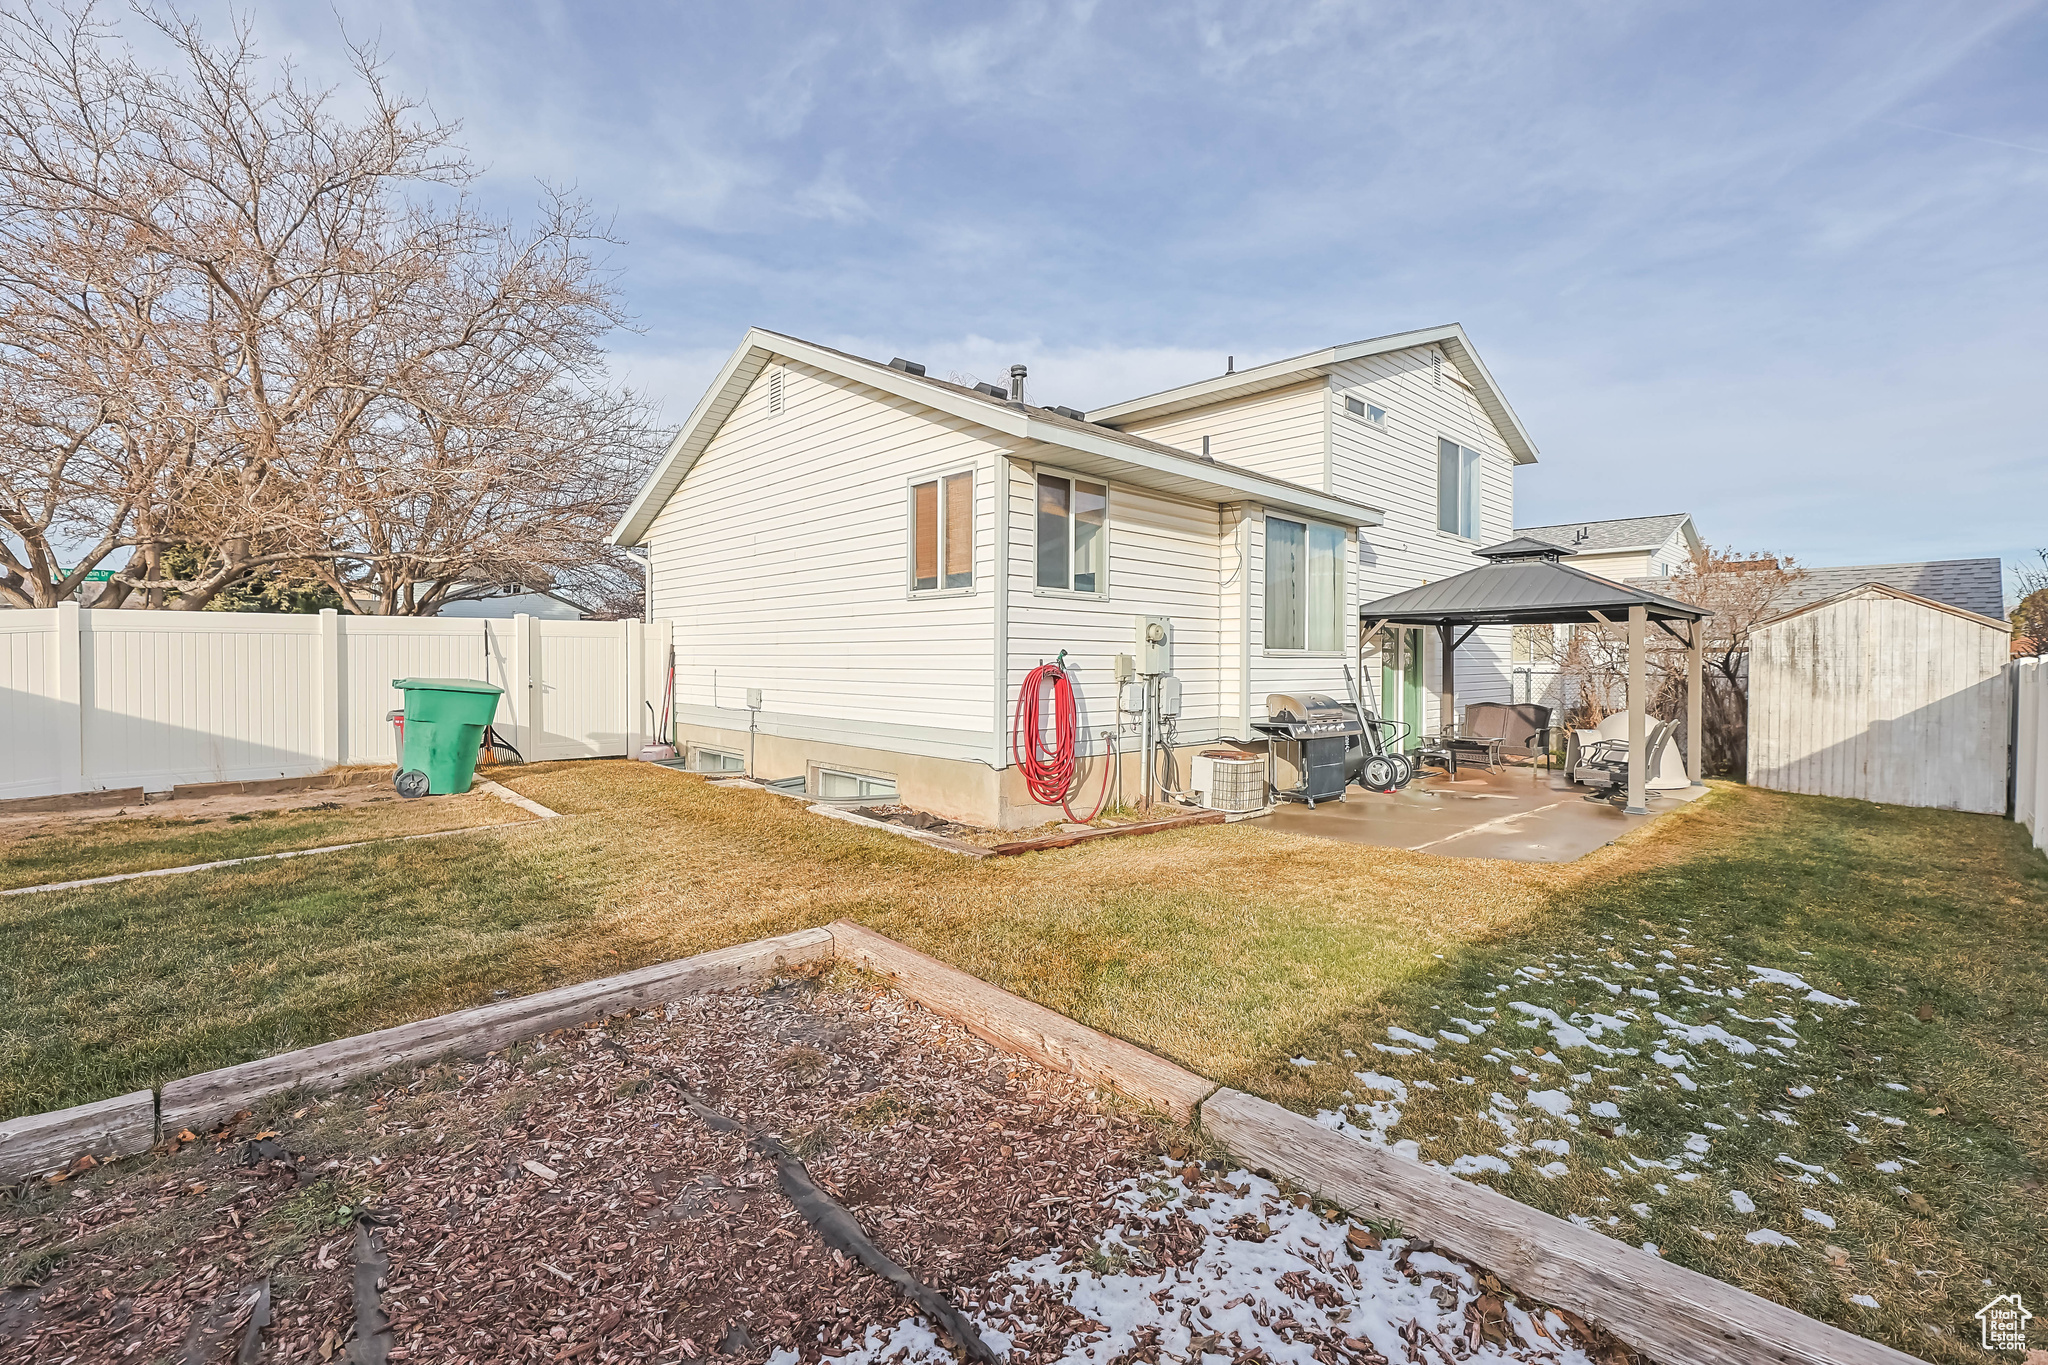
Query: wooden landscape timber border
point(1673, 1315)
point(36, 805)
point(1068, 840)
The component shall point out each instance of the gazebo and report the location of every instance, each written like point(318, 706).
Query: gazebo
point(1525, 583)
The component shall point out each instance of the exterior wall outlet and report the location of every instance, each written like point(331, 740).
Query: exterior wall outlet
point(753, 699)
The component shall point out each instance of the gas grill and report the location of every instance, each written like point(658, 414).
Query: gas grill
point(1324, 732)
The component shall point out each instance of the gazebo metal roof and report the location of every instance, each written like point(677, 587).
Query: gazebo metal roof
point(1524, 584)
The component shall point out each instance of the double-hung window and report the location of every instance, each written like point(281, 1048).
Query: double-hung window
point(1304, 586)
point(1457, 489)
point(942, 533)
point(1073, 534)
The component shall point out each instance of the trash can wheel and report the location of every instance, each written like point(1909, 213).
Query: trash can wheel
point(411, 782)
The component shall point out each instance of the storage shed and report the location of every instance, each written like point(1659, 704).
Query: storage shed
point(1881, 695)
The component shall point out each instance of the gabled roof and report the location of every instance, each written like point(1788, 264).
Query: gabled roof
point(1975, 585)
point(1080, 446)
point(1615, 536)
point(1523, 585)
point(1280, 373)
point(1885, 590)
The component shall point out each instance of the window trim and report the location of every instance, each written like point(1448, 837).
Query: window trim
point(1101, 594)
point(1376, 423)
point(1345, 623)
point(820, 771)
point(697, 752)
point(910, 487)
point(1479, 458)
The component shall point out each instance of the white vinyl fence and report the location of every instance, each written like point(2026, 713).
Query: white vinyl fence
point(2030, 747)
point(93, 700)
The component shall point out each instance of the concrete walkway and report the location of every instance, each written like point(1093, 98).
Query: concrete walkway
point(1523, 814)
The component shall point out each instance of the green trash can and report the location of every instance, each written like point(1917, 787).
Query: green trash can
point(444, 727)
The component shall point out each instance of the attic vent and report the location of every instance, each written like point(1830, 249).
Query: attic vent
point(1074, 413)
point(1436, 368)
point(907, 366)
point(992, 390)
point(777, 381)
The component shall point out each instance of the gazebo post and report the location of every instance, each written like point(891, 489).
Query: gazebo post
point(1695, 703)
point(1638, 710)
point(1447, 692)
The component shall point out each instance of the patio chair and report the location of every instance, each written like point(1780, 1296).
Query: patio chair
point(1604, 765)
point(1666, 770)
point(1523, 727)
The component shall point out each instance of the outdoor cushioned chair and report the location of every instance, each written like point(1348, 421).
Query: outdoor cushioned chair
point(1603, 765)
point(1666, 771)
point(1521, 727)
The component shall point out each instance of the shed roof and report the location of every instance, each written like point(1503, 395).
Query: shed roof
point(1886, 590)
point(1524, 584)
point(1082, 446)
point(1611, 536)
point(1975, 585)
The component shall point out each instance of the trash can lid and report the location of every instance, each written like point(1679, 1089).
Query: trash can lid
point(446, 685)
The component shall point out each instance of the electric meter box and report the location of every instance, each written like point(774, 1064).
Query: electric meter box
point(1154, 644)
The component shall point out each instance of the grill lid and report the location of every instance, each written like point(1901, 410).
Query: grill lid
point(1304, 715)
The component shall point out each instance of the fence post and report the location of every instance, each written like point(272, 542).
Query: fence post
point(522, 686)
point(330, 665)
point(67, 685)
point(636, 687)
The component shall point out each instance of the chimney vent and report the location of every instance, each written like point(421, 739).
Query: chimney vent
point(1230, 364)
point(1017, 383)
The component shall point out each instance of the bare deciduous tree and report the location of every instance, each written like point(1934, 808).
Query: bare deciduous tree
point(241, 320)
point(1741, 590)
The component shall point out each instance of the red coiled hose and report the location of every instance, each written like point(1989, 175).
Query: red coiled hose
point(1049, 769)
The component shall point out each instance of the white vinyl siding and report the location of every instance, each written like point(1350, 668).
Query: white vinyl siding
point(780, 559)
point(1394, 467)
point(1167, 558)
point(1281, 434)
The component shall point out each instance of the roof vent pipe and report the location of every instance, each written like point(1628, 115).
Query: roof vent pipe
point(1016, 383)
point(1230, 364)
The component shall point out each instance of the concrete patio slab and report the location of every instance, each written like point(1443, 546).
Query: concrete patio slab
point(1522, 814)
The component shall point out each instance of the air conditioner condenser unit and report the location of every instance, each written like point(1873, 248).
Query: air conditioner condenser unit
point(1226, 780)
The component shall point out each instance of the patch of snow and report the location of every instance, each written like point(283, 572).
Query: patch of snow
point(1372, 1080)
point(1301, 1061)
point(1742, 1202)
point(1552, 1102)
point(1401, 1035)
point(1552, 1170)
point(1704, 1233)
point(1767, 1237)
point(1474, 1163)
point(1888, 1167)
point(1554, 1146)
point(1605, 1109)
point(1639, 1210)
point(1816, 1216)
point(1800, 1092)
point(1894, 1085)
point(1863, 1300)
point(1395, 1051)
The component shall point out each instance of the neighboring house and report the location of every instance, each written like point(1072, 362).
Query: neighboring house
point(862, 563)
point(1626, 547)
point(507, 602)
point(1975, 585)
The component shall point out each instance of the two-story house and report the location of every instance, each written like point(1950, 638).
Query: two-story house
point(862, 563)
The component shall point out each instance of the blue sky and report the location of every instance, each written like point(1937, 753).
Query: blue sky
point(1781, 266)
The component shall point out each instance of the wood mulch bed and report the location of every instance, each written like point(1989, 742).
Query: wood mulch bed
point(582, 1198)
point(559, 1202)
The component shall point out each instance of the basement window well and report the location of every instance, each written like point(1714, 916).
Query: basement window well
point(835, 785)
point(717, 761)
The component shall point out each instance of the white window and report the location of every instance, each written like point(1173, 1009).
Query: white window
point(1073, 535)
point(834, 785)
point(1457, 489)
point(942, 533)
point(1304, 586)
point(1371, 412)
point(718, 761)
